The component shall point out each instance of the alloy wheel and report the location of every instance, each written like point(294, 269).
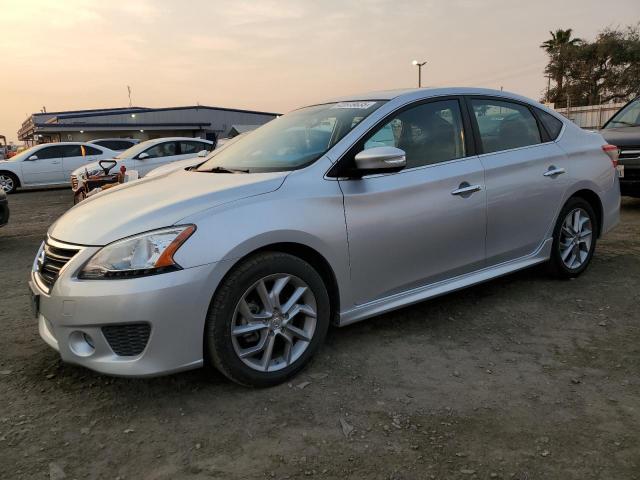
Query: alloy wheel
point(575, 238)
point(274, 322)
point(6, 183)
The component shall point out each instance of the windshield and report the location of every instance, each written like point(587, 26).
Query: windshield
point(629, 116)
point(135, 150)
point(23, 154)
point(292, 141)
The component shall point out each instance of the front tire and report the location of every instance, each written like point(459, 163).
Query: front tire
point(9, 182)
point(267, 319)
point(574, 239)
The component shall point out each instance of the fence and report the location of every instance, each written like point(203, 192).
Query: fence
point(591, 116)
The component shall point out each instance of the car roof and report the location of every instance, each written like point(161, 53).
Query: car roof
point(417, 93)
point(65, 143)
point(173, 139)
point(114, 139)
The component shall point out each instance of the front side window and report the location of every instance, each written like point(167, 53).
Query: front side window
point(504, 125)
point(49, 152)
point(165, 149)
point(193, 147)
point(429, 133)
point(629, 116)
point(292, 141)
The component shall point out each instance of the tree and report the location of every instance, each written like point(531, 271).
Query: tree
point(559, 47)
point(589, 73)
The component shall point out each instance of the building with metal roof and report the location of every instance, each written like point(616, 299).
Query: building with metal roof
point(138, 122)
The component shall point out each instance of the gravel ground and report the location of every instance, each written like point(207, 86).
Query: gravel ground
point(523, 377)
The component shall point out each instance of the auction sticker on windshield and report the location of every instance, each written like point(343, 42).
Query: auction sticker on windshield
point(358, 105)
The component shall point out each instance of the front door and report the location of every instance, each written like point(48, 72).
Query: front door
point(43, 167)
point(76, 156)
point(525, 177)
point(425, 223)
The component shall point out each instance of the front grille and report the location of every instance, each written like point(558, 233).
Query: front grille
point(127, 340)
point(51, 261)
point(74, 182)
point(630, 153)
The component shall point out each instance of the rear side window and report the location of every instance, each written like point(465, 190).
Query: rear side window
point(551, 124)
point(504, 125)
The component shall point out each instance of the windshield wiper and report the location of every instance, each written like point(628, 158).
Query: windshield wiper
point(227, 170)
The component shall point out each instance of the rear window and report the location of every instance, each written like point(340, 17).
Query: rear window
point(115, 144)
point(551, 124)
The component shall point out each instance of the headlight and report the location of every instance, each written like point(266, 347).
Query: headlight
point(145, 254)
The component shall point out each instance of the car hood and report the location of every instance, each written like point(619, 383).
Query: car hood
point(88, 167)
point(156, 202)
point(170, 167)
point(622, 136)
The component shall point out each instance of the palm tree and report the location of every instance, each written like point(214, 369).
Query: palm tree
point(557, 47)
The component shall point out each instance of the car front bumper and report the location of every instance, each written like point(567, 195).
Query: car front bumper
point(78, 318)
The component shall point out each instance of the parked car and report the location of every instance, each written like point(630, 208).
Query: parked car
point(116, 144)
point(334, 212)
point(623, 131)
point(49, 164)
point(191, 162)
point(143, 158)
point(4, 208)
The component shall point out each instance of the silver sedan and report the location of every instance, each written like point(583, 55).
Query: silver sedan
point(333, 213)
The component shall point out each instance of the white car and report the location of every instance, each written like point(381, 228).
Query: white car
point(48, 164)
point(192, 162)
point(146, 156)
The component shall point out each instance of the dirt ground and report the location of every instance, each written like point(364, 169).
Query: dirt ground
point(524, 377)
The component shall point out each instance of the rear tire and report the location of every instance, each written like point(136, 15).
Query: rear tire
point(267, 319)
point(574, 239)
point(9, 182)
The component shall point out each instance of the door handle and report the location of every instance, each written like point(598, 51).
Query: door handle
point(553, 171)
point(465, 188)
point(55, 163)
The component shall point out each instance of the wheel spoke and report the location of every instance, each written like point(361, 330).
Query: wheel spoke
point(268, 352)
point(278, 286)
point(288, 347)
point(306, 309)
point(265, 298)
point(248, 315)
point(249, 352)
point(565, 253)
point(576, 221)
point(295, 296)
point(248, 328)
point(297, 332)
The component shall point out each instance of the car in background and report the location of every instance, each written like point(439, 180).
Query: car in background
point(4, 208)
point(193, 162)
point(143, 158)
point(116, 144)
point(48, 165)
point(335, 212)
point(623, 131)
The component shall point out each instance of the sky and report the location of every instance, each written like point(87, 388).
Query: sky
point(273, 55)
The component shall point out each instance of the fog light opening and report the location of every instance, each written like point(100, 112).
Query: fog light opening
point(81, 343)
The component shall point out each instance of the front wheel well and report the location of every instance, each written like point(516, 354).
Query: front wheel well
point(594, 200)
point(313, 258)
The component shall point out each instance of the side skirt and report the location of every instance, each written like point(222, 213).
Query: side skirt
point(403, 299)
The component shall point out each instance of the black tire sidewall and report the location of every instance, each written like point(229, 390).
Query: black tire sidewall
point(558, 266)
point(218, 344)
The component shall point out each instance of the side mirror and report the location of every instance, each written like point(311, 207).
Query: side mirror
point(33, 157)
point(143, 155)
point(203, 153)
point(380, 160)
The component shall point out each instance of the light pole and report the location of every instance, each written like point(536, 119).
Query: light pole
point(419, 65)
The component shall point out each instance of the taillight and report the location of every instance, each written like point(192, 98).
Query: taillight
point(613, 153)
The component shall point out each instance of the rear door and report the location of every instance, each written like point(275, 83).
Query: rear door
point(44, 167)
point(76, 156)
point(525, 176)
point(425, 223)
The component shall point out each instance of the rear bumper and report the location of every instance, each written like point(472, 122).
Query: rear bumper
point(4, 212)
